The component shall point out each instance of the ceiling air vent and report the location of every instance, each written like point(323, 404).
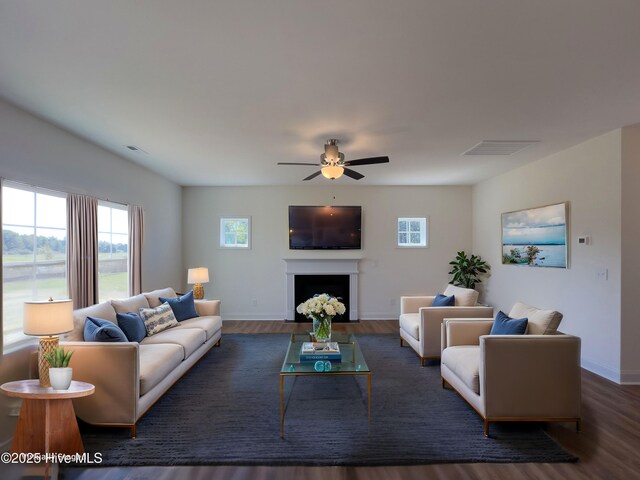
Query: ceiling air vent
point(133, 148)
point(499, 147)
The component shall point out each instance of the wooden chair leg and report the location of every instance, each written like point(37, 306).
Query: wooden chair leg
point(486, 428)
point(422, 361)
point(133, 431)
point(401, 342)
point(578, 425)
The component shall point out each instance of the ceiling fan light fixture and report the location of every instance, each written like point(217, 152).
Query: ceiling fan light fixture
point(332, 171)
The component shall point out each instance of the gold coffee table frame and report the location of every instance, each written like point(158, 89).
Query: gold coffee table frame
point(353, 363)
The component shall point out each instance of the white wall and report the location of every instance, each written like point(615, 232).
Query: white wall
point(588, 176)
point(36, 152)
point(630, 258)
point(252, 283)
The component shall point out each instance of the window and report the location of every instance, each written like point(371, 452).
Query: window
point(113, 246)
point(34, 251)
point(413, 232)
point(235, 232)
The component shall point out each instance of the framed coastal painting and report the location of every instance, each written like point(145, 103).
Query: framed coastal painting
point(536, 237)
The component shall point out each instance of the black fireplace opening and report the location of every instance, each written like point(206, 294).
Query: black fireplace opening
point(306, 286)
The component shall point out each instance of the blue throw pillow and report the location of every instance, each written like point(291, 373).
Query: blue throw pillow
point(132, 326)
point(505, 325)
point(99, 330)
point(444, 301)
point(183, 307)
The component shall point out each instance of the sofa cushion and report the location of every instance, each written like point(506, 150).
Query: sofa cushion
point(465, 297)
point(464, 361)
point(444, 301)
point(154, 297)
point(131, 304)
point(99, 330)
point(505, 325)
point(210, 325)
point(156, 362)
point(183, 307)
point(190, 339)
point(541, 322)
point(158, 319)
point(132, 326)
point(102, 310)
point(410, 323)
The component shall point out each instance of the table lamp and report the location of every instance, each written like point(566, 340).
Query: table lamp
point(47, 320)
point(198, 276)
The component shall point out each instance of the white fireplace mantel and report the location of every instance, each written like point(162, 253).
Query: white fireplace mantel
point(321, 266)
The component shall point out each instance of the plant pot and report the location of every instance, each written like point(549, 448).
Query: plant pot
point(60, 378)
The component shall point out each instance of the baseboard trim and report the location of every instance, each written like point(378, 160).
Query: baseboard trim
point(630, 377)
point(601, 370)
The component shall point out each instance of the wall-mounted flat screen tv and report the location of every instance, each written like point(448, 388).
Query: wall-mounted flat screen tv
point(324, 228)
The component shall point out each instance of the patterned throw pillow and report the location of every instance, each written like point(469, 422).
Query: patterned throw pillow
point(158, 319)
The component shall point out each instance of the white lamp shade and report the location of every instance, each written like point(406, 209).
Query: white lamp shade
point(48, 318)
point(198, 275)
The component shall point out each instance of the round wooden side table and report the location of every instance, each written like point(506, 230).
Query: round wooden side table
point(47, 422)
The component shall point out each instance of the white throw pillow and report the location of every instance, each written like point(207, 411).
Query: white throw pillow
point(541, 322)
point(465, 297)
point(158, 319)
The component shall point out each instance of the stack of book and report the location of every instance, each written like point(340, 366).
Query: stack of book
point(314, 351)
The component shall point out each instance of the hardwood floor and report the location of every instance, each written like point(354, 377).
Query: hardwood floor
point(608, 445)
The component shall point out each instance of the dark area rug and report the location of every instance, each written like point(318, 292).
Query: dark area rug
point(225, 411)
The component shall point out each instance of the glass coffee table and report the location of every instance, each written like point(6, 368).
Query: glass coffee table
point(352, 363)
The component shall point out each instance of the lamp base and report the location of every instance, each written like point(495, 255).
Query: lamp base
point(47, 344)
point(198, 291)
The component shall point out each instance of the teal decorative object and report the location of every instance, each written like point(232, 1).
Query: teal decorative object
point(319, 366)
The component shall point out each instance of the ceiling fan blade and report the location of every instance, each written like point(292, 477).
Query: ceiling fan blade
point(313, 175)
point(295, 163)
point(353, 174)
point(368, 161)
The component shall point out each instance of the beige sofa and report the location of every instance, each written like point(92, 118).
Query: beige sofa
point(130, 377)
point(531, 377)
point(420, 323)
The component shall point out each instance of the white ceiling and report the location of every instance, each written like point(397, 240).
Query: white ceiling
point(217, 92)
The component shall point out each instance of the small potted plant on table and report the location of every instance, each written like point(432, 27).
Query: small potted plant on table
point(59, 371)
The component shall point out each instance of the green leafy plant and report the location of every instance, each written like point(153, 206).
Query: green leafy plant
point(466, 270)
point(58, 358)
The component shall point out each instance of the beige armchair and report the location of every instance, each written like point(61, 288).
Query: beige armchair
point(420, 323)
point(532, 377)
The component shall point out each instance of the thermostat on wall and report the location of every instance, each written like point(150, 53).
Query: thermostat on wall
point(584, 240)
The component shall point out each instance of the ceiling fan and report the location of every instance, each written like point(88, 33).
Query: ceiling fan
point(332, 164)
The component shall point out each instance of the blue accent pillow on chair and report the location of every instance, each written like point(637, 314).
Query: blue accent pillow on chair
point(99, 330)
point(183, 307)
point(443, 301)
point(132, 326)
point(505, 325)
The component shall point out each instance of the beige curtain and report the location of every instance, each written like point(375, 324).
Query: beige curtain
point(82, 250)
point(136, 236)
point(1, 280)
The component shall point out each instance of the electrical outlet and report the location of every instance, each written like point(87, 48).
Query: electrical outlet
point(602, 273)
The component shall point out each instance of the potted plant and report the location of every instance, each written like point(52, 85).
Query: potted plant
point(467, 270)
point(59, 370)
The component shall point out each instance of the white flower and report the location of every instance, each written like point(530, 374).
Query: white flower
point(321, 305)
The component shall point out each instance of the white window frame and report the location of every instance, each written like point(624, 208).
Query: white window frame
point(235, 246)
point(424, 232)
point(15, 339)
point(114, 206)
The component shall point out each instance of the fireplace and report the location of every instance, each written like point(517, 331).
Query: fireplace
point(326, 271)
point(306, 286)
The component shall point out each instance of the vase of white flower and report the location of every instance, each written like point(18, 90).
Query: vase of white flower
point(321, 309)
